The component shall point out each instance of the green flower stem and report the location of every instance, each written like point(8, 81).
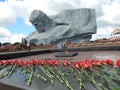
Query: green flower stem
point(111, 70)
point(24, 70)
point(52, 71)
point(109, 77)
point(97, 84)
point(50, 76)
point(108, 83)
point(4, 74)
point(47, 73)
point(39, 76)
point(63, 77)
point(9, 71)
point(117, 69)
point(79, 79)
point(9, 68)
point(12, 70)
point(30, 77)
point(35, 74)
point(97, 73)
point(2, 66)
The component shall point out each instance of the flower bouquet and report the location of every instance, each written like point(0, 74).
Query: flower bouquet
point(100, 74)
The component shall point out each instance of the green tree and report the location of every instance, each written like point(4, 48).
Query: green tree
point(24, 41)
point(6, 43)
point(16, 43)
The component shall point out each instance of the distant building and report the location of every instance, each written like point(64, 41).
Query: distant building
point(115, 34)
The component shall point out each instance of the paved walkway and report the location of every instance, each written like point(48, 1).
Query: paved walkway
point(114, 55)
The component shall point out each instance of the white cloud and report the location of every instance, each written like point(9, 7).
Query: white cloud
point(107, 11)
point(103, 33)
point(4, 32)
point(7, 15)
point(112, 12)
point(23, 8)
point(7, 36)
point(16, 38)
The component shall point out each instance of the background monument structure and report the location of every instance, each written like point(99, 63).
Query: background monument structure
point(76, 25)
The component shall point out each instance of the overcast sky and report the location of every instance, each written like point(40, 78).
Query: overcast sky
point(14, 15)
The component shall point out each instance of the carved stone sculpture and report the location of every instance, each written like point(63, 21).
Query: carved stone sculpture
point(76, 25)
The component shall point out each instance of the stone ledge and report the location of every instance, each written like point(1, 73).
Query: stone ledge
point(23, 54)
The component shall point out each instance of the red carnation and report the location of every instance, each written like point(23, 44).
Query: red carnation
point(103, 62)
point(118, 63)
point(41, 63)
point(8, 62)
point(27, 63)
point(110, 62)
point(1, 62)
point(20, 63)
point(92, 63)
point(86, 61)
point(57, 62)
point(32, 62)
point(97, 63)
point(85, 66)
point(51, 62)
point(46, 62)
point(66, 63)
point(76, 65)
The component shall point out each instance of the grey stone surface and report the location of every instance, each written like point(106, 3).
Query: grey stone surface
point(77, 25)
point(17, 82)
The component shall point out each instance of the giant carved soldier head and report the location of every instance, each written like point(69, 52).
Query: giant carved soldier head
point(40, 20)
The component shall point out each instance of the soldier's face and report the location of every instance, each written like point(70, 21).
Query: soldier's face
point(39, 25)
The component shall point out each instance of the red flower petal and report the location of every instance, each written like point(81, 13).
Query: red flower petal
point(66, 63)
point(110, 62)
point(2, 62)
point(118, 63)
point(76, 65)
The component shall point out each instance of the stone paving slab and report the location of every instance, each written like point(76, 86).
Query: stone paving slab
point(114, 55)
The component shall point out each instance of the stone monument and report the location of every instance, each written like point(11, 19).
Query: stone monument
point(76, 25)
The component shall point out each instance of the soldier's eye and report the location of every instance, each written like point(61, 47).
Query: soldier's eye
point(36, 24)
